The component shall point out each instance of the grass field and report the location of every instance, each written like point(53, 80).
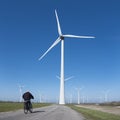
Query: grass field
point(11, 106)
point(95, 114)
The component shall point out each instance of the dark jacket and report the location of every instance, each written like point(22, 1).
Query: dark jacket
point(27, 96)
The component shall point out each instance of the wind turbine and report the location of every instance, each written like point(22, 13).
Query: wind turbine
point(78, 92)
point(40, 96)
point(61, 39)
point(106, 95)
point(20, 89)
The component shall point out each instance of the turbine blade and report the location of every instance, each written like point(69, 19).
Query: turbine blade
point(58, 24)
point(74, 36)
point(54, 44)
point(58, 77)
point(69, 78)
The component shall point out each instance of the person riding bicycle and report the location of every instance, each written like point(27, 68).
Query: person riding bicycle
point(27, 96)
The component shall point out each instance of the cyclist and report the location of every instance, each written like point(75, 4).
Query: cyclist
point(27, 96)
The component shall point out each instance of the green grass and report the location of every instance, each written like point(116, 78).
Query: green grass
point(12, 106)
point(95, 114)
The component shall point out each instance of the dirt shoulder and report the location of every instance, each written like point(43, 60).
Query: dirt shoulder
point(108, 109)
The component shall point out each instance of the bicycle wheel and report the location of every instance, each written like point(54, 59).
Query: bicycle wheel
point(25, 108)
point(30, 107)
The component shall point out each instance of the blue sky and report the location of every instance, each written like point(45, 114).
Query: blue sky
point(28, 28)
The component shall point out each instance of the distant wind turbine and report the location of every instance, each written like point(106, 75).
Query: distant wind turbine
point(78, 92)
point(20, 89)
point(40, 96)
point(66, 79)
point(106, 95)
point(61, 39)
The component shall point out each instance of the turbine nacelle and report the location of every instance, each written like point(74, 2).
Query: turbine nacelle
point(62, 37)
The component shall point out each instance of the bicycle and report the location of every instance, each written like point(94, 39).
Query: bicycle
point(28, 107)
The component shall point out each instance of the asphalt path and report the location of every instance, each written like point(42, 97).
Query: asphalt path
point(53, 112)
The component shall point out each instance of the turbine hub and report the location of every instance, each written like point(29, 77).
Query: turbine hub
point(61, 37)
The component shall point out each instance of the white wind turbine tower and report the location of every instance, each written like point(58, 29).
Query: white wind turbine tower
point(61, 39)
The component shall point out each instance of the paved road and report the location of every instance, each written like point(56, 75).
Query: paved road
point(54, 112)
